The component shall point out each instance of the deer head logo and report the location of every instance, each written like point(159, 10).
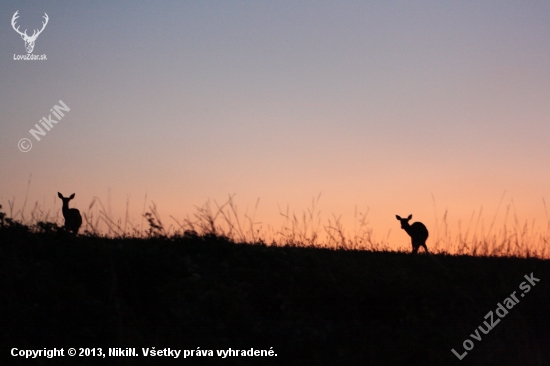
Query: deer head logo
point(29, 41)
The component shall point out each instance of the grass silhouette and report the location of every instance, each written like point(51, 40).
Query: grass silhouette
point(305, 230)
point(211, 281)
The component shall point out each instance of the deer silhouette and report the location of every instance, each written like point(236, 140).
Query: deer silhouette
point(73, 220)
point(417, 231)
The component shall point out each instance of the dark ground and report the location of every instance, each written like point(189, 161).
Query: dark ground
point(313, 306)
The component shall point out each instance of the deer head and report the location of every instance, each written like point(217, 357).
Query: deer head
point(29, 41)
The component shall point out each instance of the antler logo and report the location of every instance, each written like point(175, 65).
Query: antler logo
point(29, 41)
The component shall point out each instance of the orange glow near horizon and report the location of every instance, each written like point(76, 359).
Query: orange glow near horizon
point(382, 107)
point(449, 229)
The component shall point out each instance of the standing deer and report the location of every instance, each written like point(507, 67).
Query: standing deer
point(417, 231)
point(73, 220)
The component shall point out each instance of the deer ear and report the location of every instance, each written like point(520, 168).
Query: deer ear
point(72, 196)
point(410, 217)
point(398, 217)
point(59, 195)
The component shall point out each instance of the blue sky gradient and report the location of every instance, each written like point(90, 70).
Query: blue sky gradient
point(379, 105)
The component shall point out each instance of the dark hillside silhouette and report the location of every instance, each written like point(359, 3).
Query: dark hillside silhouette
point(313, 306)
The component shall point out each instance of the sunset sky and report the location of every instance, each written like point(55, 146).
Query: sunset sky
point(385, 106)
